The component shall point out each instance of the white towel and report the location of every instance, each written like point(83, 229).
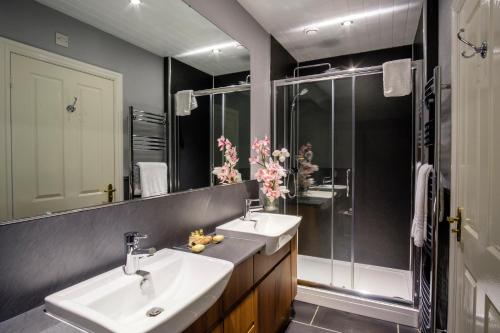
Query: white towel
point(397, 78)
point(419, 225)
point(153, 178)
point(185, 101)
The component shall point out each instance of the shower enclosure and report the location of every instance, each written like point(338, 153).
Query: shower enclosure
point(352, 152)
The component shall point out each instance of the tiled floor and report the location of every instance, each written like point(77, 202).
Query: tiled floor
point(311, 318)
point(370, 279)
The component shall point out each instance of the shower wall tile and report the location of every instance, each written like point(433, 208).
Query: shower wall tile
point(41, 256)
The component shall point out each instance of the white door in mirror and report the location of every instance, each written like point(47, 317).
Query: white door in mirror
point(172, 290)
point(274, 229)
point(61, 159)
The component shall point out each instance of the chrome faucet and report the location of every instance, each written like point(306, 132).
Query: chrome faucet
point(250, 208)
point(134, 253)
point(327, 180)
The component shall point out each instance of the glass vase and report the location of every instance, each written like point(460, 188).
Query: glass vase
point(270, 206)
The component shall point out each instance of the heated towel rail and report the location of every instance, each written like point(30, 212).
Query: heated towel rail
point(145, 143)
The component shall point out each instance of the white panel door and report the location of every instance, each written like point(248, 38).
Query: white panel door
point(60, 160)
point(476, 187)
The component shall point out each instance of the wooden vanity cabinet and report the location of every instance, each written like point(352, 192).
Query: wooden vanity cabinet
point(258, 297)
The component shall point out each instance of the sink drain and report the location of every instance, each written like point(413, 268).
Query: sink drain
point(153, 312)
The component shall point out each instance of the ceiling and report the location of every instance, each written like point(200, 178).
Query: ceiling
point(377, 24)
point(163, 27)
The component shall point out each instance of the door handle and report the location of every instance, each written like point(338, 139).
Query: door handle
point(458, 220)
point(110, 191)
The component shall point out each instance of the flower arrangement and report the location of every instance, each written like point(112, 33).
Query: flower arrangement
point(306, 168)
point(271, 172)
point(227, 173)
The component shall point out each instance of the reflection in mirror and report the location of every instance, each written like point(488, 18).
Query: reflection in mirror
point(89, 112)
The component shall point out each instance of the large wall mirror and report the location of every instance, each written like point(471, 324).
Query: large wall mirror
point(105, 101)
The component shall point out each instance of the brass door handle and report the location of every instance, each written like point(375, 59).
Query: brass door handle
point(458, 220)
point(110, 191)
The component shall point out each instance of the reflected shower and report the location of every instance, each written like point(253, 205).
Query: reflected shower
point(300, 93)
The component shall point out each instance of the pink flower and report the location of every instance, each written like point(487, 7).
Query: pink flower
point(227, 173)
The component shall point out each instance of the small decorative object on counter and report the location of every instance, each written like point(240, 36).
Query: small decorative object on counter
point(271, 172)
point(216, 239)
point(198, 237)
point(197, 248)
point(227, 173)
point(306, 168)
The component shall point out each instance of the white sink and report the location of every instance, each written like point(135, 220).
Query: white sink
point(183, 284)
point(328, 187)
point(274, 229)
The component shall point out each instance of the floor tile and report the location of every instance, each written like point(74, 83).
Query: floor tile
point(296, 327)
point(407, 329)
point(351, 323)
point(304, 312)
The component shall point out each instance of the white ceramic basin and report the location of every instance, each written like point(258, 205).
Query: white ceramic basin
point(274, 229)
point(183, 284)
point(319, 194)
point(328, 187)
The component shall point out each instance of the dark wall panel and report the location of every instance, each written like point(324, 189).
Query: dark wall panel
point(193, 131)
point(282, 62)
point(382, 176)
point(44, 255)
point(365, 59)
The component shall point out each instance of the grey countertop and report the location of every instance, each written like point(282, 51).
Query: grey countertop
point(235, 250)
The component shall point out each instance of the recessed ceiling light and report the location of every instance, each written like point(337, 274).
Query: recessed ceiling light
point(309, 31)
point(347, 23)
point(135, 2)
point(239, 46)
point(216, 51)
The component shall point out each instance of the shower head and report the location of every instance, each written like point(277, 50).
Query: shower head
point(300, 93)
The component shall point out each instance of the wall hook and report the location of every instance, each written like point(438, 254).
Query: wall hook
point(482, 50)
point(72, 107)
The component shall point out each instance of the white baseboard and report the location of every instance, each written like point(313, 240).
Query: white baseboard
point(396, 313)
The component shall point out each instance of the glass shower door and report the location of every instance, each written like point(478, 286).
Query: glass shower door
point(310, 137)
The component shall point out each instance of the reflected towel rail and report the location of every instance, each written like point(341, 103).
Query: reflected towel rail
point(150, 144)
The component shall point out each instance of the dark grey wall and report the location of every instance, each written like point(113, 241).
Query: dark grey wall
point(364, 59)
point(29, 22)
point(282, 62)
point(193, 131)
point(44, 255)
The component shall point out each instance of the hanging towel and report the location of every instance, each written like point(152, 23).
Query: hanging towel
point(185, 102)
point(153, 178)
point(397, 78)
point(419, 225)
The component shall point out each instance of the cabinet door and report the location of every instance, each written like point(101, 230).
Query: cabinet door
point(218, 329)
point(275, 298)
point(243, 317)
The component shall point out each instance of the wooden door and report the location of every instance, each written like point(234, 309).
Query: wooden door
point(475, 297)
point(60, 160)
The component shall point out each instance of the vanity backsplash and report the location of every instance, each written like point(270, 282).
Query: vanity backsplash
point(44, 255)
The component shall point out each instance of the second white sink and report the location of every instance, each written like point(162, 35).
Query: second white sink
point(179, 288)
point(274, 229)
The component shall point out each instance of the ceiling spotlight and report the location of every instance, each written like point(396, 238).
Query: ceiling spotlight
point(310, 31)
point(135, 2)
point(347, 23)
point(216, 51)
point(240, 47)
